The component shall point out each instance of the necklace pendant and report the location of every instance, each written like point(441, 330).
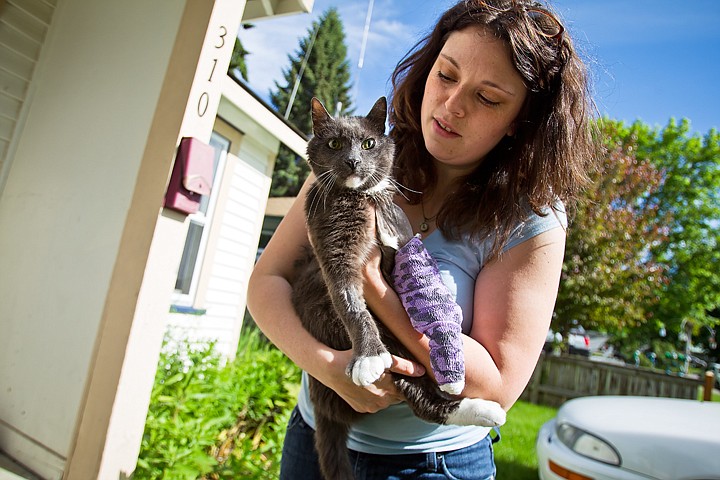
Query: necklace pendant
point(424, 227)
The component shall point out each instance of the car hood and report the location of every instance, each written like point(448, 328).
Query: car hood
point(669, 438)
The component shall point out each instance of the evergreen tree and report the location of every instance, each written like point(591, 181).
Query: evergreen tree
point(237, 61)
point(325, 75)
point(238, 66)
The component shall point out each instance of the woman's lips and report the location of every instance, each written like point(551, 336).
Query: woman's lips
point(444, 129)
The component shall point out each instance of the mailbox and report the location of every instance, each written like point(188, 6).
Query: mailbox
point(192, 175)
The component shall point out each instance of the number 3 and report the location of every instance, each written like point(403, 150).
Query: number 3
point(222, 37)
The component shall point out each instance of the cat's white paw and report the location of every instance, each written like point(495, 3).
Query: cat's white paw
point(366, 370)
point(454, 388)
point(475, 411)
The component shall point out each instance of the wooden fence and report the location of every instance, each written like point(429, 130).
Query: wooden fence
point(560, 378)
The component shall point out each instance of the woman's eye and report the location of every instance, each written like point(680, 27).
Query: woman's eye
point(368, 143)
point(443, 77)
point(487, 101)
point(335, 144)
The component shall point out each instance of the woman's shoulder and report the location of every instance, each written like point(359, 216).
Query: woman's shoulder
point(475, 251)
point(534, 223)
point(531, 224)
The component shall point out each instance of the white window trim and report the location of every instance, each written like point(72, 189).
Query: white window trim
point(189, 300)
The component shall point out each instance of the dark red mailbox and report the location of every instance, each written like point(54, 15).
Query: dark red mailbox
point(191, 176)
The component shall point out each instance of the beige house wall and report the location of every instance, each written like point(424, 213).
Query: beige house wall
point(88, 254)
point(64, 207)
point(88, 258)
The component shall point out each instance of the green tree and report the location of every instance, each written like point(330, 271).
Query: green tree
point(656, 198)
point(237, 61)
point(609, 277)
point(690, 198)
point(325, 75)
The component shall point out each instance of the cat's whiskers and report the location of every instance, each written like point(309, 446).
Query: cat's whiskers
point(312, 208)
point(370, 181)
point(310, 160)
point(321, 181)
point(326, 181)
point(326, 191)
point(401, 186)
point(379, 182)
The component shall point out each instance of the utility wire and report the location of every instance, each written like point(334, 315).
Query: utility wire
point(366, 32)
point(363, 45)
point(301, 72)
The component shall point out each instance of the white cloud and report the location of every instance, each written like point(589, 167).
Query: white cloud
point(269, 43)
point(395, 27)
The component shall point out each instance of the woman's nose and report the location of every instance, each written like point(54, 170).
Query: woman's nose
point(454, 102)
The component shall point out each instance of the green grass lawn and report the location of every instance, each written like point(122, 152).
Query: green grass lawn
point(515, 453)
point(715, 395)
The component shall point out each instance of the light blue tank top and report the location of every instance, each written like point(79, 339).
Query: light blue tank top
point(396, 430)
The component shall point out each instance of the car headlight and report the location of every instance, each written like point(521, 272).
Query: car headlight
point(586, 444)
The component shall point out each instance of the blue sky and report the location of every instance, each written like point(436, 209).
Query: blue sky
point(649, 59)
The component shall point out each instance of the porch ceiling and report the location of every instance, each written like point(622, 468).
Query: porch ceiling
point(258, 9)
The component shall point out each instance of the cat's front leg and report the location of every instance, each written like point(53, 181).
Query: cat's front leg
point(370, 357)
point(366, 370)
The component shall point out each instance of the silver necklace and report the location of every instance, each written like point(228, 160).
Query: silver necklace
point(424, 227)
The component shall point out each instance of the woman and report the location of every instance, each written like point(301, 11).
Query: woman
point(490, 114)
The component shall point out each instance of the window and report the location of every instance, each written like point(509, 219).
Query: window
point(191, 259)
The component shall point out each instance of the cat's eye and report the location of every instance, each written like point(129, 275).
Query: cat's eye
point(335, 144)
point(368, 143)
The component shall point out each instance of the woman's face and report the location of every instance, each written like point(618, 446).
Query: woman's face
point(472, 97)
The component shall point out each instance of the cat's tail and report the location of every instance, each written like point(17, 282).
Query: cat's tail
point(330, 441)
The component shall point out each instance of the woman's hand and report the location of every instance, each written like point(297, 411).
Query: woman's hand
point(375, 397)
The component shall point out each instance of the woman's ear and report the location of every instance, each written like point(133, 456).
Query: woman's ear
point(512, 129)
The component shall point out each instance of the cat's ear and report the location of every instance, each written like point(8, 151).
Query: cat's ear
point(319, 115)
point(378, 114)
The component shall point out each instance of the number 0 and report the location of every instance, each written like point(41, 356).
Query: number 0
point(203, 103)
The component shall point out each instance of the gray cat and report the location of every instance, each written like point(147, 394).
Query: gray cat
point(352, 160)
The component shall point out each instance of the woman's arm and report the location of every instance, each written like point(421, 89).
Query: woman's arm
point(269, 302)
point(514, 299)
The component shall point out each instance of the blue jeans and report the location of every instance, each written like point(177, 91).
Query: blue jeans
point(299, 460)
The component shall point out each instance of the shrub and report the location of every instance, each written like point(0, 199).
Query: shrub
point(209, 421)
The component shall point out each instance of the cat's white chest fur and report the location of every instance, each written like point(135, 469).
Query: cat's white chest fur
point(380, 187)
point(353, 182)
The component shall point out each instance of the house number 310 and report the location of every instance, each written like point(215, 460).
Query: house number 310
point(204, 100)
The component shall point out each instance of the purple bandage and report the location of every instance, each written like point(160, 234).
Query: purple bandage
point(432, 310)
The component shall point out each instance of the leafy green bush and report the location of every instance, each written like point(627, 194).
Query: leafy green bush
point(210, 421)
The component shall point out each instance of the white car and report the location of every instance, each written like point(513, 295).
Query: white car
point(631, 438)
point(578, 342)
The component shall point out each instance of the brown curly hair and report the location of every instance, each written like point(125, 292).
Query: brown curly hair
point(553, 148)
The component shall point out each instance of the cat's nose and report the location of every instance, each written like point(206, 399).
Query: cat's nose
point(352, 163)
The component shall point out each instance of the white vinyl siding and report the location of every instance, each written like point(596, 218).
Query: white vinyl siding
point(230, 262)
point(23, 27)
